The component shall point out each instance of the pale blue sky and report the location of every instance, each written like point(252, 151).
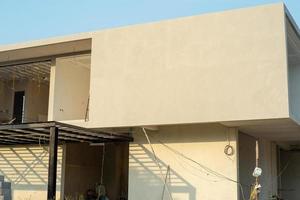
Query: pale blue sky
point(25, 20)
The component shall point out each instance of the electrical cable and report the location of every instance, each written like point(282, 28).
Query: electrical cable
point(283, 169)
point(217, 174)
point(43, 147)
point(228, 150)
point(193, 173)
point(166, 179)
point(157, 163)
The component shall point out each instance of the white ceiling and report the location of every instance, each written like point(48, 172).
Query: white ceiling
point(274, 129)
point(39, 71)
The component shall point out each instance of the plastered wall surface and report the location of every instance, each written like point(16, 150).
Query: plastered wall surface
point(294, 81)
point(6, 101)
point(69, 89)
point(36, 99)
point(293, 43)
point(216, 67)
point(37, 102)
point(187, 180)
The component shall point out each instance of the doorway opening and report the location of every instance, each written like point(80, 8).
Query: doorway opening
point(19, 107)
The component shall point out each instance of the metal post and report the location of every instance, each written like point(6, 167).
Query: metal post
point(52, 163)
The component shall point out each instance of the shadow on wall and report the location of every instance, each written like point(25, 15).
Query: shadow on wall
point(145, 170)
point(27, 169)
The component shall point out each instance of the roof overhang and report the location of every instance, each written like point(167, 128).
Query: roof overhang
point(45, 49)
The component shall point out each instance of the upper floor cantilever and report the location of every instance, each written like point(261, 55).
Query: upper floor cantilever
point(235, 65)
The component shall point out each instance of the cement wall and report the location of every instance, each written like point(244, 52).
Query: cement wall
point(36, 100)
point(187, 181)
point(294, 82)
point(27, 170)
point(5, 101)
point(69, 88)
point(191, 70)
point(293, 42)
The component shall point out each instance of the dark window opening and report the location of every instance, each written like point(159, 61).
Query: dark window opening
point(19, 104)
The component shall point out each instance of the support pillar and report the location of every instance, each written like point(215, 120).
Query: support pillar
point(52, 170)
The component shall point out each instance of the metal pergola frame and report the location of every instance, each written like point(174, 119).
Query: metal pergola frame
point(54, 133)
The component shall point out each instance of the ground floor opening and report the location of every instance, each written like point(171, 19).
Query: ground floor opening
point(85, 167)
point(280, 163)
point(52, 160)
point(289, 173)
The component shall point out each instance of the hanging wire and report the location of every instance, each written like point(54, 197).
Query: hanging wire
point(208, 170)
point(182, 164)
point(157, 163)
point(168, 175)
point(229, 149)
point(283, 169)
point(41, 146)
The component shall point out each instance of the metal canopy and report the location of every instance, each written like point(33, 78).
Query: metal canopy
point(54, 132)
point(39, 132)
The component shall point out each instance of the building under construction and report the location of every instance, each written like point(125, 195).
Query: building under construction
point(201, 107)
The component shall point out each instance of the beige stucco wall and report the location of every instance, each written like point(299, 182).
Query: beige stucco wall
point(215, 67)
point(69, 88)
point(202, 143)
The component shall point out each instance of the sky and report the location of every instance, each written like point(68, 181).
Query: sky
point(23, 21)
